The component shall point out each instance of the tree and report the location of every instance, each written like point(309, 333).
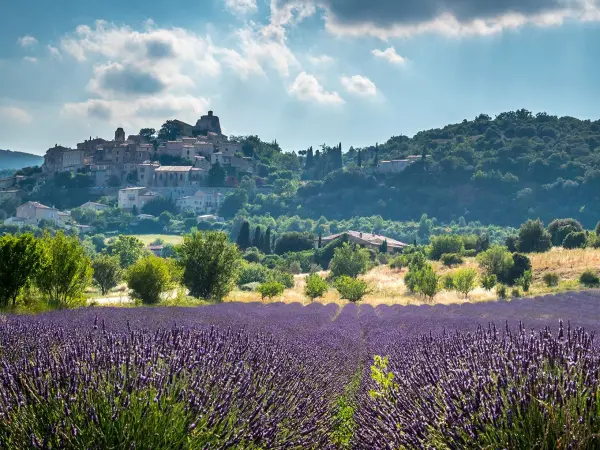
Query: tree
point(147, 134)
point(525, 280)
point(446, 243)
point(107, 272)
point(428, 282)
point(560, 228)
point(383, 248)
point(266, 248)
point(488, 282)
point(521, 264)
point(270, 289)
point(158, 205)
point(533, 238)
point(315, 286)
point(349, 261)
point(294, 242)
point(257, 239)
point(310, 159)
point(210, 264)
point(496, 261)
point(66, 272)
point(243, 240)
point(575, 239)
point(149, 278)
point(233, 202)
point(597, 229)
point(464, 280)
point(216, 175)
point(168, 131)
point(351, 289)
point(128, 248)
point(21, 257)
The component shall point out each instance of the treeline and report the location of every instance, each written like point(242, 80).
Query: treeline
point(499, 170)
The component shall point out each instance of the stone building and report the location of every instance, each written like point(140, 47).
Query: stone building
point(207, 124)
point(62, 159)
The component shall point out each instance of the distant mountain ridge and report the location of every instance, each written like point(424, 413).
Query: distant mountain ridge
point(17, 160)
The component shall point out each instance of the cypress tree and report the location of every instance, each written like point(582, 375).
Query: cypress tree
point(257, 238)
point(310, 159)
point(359, 162)
point(383, 248)
point(376, 154)
point(319, 246)
point(266, 247)
point(243, 240)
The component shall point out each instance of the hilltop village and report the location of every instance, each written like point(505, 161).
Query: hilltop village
point(141, 168)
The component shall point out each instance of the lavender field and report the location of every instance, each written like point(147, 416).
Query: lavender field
point(519, 374)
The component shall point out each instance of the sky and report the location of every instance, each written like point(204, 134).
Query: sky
point(302, 72)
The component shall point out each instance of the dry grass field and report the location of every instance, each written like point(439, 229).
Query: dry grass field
point(388, 284)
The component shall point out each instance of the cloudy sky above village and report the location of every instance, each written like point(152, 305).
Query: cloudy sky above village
point(304, 72)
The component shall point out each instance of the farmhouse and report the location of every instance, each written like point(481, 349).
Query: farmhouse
point(368, 240)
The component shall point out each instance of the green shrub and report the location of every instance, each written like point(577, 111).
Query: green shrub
point(448, 282)
point(575, 239)
point(272, 261)
point(470, 253)
point(502, 291)
point(521, 264)
point(589, 278)
point(250, 287)
point(488, 282)
point(315, 286)
point(525, 280)
point(253, 273)
point(533, 237)
point(253, 255)
point(398, 262)
point(447, 243)
point(349, 261)
point(451, 259)
point(149, 278)
point(515, 293)
point(551, 279)
point(464, 280)
point(270, 289)
point(285, 278)
point(351, 288)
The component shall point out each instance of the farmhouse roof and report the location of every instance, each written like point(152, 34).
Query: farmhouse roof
point(366, 238)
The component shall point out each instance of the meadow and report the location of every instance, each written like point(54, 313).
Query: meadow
point(508, 374)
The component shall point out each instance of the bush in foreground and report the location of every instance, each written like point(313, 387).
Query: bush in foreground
point(149, 278)
point(315, 287)
point(210, 264)
point(270, 290)
point(551, 279)
point(107, 272)
point(589, 278)
point(351, 289)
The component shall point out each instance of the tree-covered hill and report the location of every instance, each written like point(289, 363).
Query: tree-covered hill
point(500, 170)
point(10, 160)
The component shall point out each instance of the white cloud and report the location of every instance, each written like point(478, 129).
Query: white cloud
point(390, 55)
point(27, 41)
point(241, 6)
point(307, 88)
point(30, 59)
point(359, 85)
point(320, 60)
point(15, 115)
point(54, 52)
point(139, 112)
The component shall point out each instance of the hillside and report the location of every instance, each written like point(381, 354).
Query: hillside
point(17, 160)
point(502, 171)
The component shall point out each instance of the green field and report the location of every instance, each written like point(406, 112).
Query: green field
point(147, 239)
